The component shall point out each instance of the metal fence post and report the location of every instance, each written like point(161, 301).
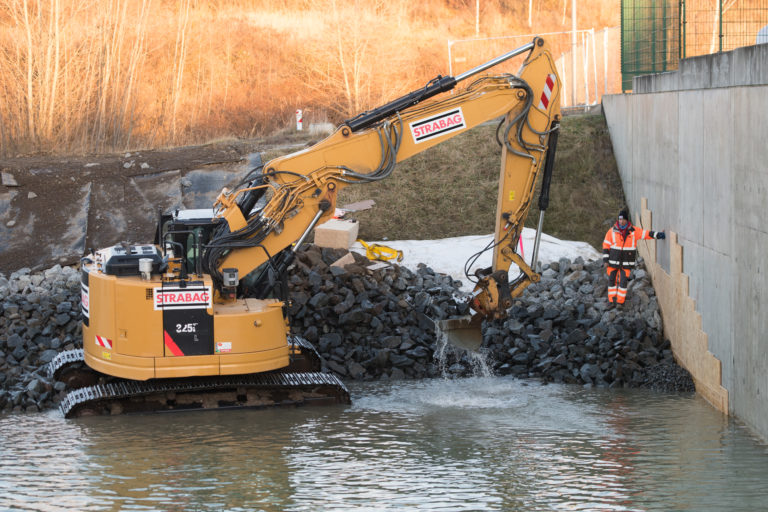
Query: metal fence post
point(594, 63)
point(585, 59)
point(573, 52)
point(605, 61)
point(681, 23)
point(720, 28)
point(653, 36)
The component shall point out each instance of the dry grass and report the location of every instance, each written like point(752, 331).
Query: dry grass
point(586, 193)
point(83, 76)
point(450, 190)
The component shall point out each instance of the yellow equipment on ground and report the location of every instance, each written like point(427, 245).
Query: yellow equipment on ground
point(197, 318)
point(381, 252)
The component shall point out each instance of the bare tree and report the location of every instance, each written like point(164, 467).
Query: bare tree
point(179, 58)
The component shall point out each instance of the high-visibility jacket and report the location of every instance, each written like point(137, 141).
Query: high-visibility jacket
point(620, 251)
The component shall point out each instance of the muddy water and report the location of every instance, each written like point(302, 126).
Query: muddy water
point(472, 444)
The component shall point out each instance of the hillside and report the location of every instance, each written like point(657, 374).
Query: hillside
point(447, 191)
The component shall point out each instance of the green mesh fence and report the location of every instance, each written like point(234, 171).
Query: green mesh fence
point(656, 34)
point(650, 38)
point(711, 26)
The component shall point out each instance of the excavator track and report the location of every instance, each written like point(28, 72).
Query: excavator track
point(69, 367)
point(307, 359)
point(239, 391)
point(298, 384)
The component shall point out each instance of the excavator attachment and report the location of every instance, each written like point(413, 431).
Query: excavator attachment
point(491, 299)
point(463, 332)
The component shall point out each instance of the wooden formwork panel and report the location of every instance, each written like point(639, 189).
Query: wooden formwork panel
point(682, 323)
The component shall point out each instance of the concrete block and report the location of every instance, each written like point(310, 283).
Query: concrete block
point(336, 234)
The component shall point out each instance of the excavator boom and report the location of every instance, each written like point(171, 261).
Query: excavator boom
point(367, 147)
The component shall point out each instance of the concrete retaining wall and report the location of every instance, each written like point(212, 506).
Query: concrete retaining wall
point(694, 144)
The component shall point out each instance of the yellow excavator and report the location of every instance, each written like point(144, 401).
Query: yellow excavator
point(197, 319)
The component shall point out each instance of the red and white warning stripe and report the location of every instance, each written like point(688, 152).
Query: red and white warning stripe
point(103, 342)
point(546, 94)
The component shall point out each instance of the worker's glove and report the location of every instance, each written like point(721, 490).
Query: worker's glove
point(660, 235)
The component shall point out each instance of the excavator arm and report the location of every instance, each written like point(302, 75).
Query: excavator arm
point(269, 217)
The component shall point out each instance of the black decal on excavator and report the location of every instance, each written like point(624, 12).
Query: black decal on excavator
point(187, 332)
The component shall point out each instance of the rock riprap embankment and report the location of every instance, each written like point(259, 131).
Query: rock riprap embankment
point(378, 324)
point(39, 317)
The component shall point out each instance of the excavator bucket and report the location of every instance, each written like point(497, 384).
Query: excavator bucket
point(464, 332)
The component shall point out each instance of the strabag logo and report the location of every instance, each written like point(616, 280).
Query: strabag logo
point(191, 297)
point(438, 124)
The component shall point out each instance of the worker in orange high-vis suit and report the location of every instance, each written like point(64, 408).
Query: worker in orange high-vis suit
point(620, 253)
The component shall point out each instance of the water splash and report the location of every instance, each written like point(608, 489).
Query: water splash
point(479, 361)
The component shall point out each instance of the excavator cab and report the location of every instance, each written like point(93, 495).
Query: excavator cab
point(185, 233)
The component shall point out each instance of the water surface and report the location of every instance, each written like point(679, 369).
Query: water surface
point(470, 444)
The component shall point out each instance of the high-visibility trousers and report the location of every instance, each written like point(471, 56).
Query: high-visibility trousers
point(618, 279)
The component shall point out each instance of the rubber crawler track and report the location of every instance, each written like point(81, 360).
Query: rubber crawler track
point(269, 389)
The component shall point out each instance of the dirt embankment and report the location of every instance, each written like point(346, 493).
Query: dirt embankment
point(54, 208)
